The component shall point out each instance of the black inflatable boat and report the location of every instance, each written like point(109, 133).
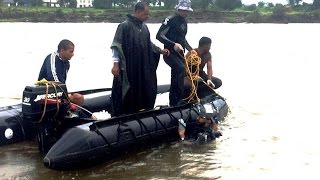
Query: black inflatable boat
point(16, 127)
point(98, 141)
point(70, 142)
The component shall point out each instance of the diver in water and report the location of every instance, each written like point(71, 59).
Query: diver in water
point(205, 130)
point(207, 127)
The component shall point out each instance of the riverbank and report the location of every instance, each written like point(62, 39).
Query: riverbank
point(56, 15)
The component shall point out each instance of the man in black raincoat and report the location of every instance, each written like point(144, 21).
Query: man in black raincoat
point(135, 62)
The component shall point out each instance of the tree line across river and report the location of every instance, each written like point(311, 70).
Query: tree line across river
point(230, 11)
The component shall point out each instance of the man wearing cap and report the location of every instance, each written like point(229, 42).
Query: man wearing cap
point(172, 34)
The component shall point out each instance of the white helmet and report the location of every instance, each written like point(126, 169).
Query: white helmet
point(184, 5)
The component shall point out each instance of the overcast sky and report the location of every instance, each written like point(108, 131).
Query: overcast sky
point(271, 1)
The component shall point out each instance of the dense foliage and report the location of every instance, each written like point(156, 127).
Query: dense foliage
point(204, 11)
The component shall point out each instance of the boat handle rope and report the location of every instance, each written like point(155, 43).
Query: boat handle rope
point(174, 118)
point(96, 129)
point(156, 119)
point(143, 125)
point(181, 113)
point(120, 131)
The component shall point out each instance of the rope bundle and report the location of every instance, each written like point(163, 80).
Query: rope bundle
point(192, 63)
point(44, 82)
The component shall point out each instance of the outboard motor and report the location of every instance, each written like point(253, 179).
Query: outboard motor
point(44, 106)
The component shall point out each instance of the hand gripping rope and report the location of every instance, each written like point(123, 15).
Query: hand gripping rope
point(192, 65)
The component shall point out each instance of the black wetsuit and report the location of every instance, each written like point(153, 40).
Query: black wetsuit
point(173, 30)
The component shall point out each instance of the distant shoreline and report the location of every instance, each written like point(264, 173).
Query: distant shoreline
point(90, 15)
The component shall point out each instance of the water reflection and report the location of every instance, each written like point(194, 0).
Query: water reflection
point(18, 160)
point(254, 145)
point(168, 161)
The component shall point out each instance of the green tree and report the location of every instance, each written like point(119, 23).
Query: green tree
point(18, 2)
point(228, 4)
point(169, 4)
point(126, 3)
point(316, 4)
point(250, 7)
point(261, 4)
point(153, 2)
point(59, 13)
point(254, 17)
point(293, 3)
point(28, 2)
point(270, 5)
point(279, 11)
point(72, 3)
point(201, 4)
point(62, 3)
point(102, 4)
point(36, 2)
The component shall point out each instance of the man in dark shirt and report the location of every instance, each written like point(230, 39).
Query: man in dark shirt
point(172, 34)
point(203, 52)
point(56, 66)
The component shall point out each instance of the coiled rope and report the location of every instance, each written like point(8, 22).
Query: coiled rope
point(192, 63)
point(55, 84)
point(44, 82)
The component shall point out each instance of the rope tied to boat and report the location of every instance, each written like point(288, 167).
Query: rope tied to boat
point(44, 82)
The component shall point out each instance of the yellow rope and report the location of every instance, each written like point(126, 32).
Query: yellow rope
point(45, 82)
point(193, 60)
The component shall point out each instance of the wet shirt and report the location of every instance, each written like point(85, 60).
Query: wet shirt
point(54, 68)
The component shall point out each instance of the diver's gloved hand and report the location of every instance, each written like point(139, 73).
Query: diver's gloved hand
point(177, 47)
point(210, 83)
